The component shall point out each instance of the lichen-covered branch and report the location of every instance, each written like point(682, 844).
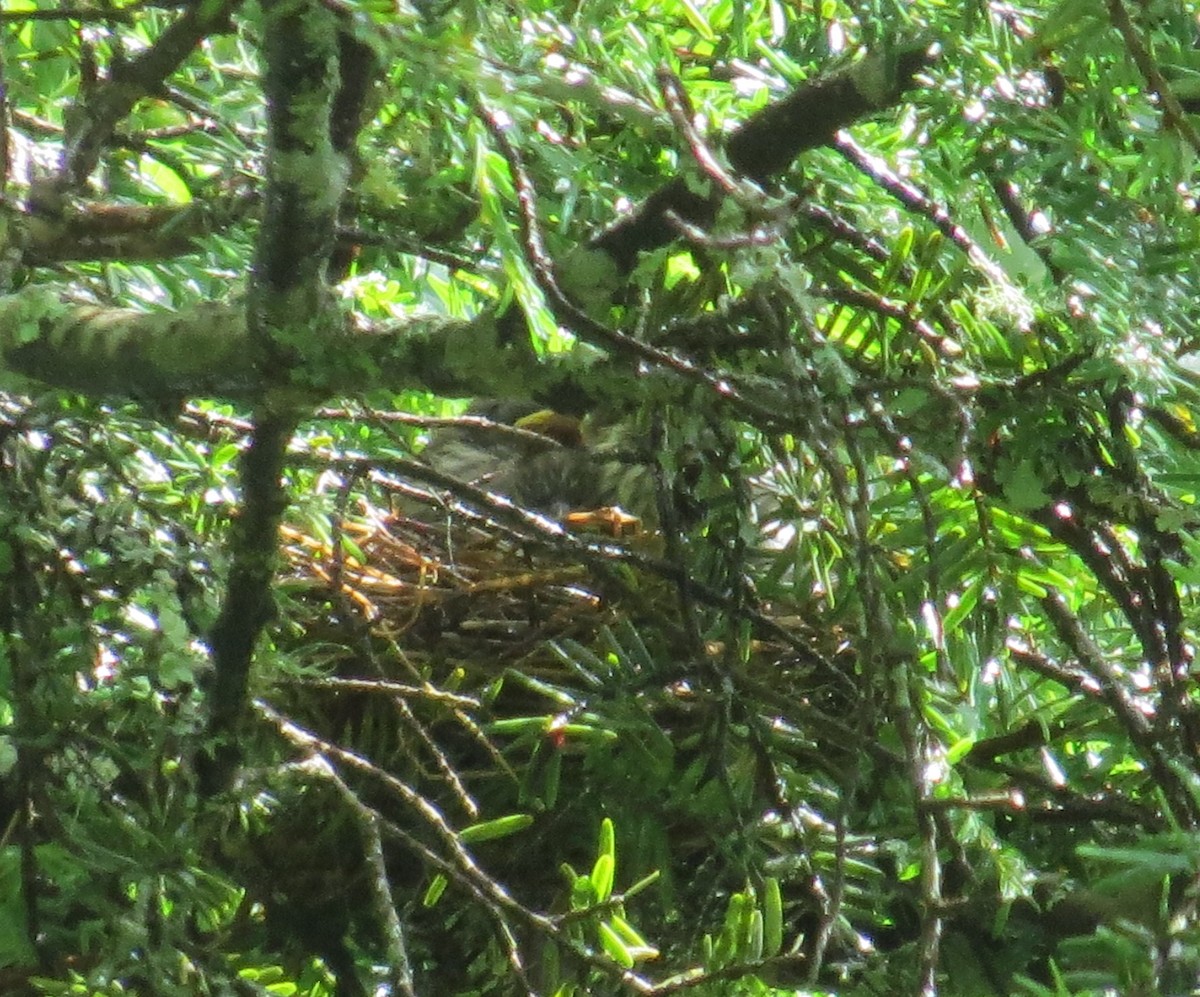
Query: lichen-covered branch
point(289, 313)
point(51, 233)
point(211, 350)
point(150, 356)
point(202, 351)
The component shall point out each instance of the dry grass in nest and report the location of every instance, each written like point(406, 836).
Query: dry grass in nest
point(456, 584)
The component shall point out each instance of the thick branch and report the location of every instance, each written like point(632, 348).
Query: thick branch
point(248, 604)
point(126, 232)
point(305, 173)
point(768, 143)
point(93, 124)
point(203, 351)
point(288, 307)
point(149, 356)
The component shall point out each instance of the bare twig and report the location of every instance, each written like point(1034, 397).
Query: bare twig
point(913, 737)
point(460, 865)
point(84, 15)
point(917, 200)
point(383, 687)
point(682, 114)
point(398, 963)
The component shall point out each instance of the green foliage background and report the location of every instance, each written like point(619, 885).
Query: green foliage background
point(900, 697)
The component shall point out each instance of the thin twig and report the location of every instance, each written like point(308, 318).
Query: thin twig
point(386, 688)
point(398, 963)
point(1173, 111)
point(429, 813)
point(682, 114)
point(460, 865)
point(917, 200)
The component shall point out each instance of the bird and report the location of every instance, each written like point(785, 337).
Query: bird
point(534, 456)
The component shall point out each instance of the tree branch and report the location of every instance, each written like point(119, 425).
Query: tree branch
point(768, 143)
point(91, 125)
point(62, 233)
point(288, 304)
point(1173, 111)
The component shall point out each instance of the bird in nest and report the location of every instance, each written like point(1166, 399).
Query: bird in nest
point(540, 459)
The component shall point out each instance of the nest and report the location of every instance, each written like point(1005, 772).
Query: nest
point(457, 585)
point(468, 593)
